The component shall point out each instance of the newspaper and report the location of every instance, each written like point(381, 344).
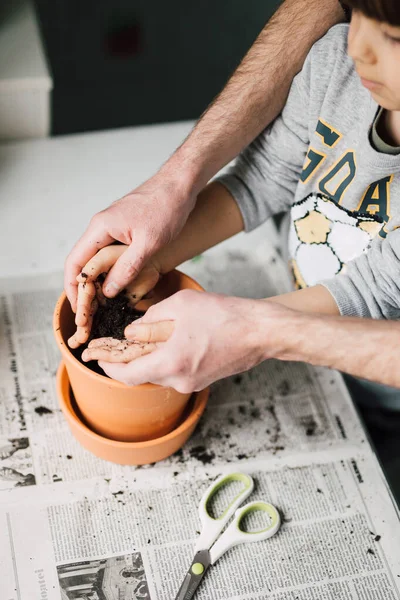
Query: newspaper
point(74, 527)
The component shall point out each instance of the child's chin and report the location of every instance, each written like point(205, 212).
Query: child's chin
point(386, 103)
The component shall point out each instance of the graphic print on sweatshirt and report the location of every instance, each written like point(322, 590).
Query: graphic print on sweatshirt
point(343, 182)
point(324, 236)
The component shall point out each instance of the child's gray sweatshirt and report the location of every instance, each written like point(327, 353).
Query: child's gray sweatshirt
point(317, 161)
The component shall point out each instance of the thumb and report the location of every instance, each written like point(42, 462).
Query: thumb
point(149, 332)
point(126, 269)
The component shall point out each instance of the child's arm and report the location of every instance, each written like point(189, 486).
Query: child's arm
point(316, 300)
point(215, 218)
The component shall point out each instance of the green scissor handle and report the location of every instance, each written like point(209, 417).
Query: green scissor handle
point(235, 535)
point(212, 527)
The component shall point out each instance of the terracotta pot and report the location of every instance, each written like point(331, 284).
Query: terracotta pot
point(110, 408)
point(128, 453)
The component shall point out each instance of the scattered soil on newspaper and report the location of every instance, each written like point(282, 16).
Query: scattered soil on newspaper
point(221, 441)
point(202, 454)
point(43, 410)
point(110, 320)
point(309, 424)
point(284, 388)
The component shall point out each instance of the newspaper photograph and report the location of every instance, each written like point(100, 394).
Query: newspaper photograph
point(75, 527)
point(115, 577)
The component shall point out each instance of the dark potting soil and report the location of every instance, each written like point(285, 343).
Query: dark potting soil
point(43, 410)
point(110, 320)
point(113, 317)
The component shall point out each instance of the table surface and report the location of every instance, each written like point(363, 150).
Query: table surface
point(50, 188)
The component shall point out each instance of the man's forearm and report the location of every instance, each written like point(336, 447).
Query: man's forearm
point(257, 90)
point(361, 347)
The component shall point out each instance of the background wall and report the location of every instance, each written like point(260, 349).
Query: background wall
point(117, 63)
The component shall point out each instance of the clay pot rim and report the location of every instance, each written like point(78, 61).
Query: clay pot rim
point(63, 346)
point(70, 415)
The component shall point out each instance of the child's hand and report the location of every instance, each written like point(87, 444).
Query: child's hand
point(90, 293)
point(116, 351)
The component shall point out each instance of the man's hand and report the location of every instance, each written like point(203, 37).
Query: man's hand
point(90, 293)
point(192, 339)
point(145, 220)
point(195, 338)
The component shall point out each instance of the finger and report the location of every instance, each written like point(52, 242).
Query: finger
point(99, 293)
point(149, 295)
point(149, 332)
point(111, 343)
point(101, 262)
point(105, 341)
point(73, 341)
point(82, 333)
point(80, 336)
point(89, 323)
point(123, 354)
point(92, 240)
point(126, 269)
point(142, 285)
point(86, 295)
point(145, 369)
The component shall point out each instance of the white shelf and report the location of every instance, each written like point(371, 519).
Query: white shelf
point(25, 81)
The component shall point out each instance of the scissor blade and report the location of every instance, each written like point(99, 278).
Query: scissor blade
point(194, 576)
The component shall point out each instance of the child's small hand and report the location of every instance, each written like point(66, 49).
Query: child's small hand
point(116, 351)
point(90, 293)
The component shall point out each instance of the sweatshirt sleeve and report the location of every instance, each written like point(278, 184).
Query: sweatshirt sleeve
point(370, 286)
point(264, 178)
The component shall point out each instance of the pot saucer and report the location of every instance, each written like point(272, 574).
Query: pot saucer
point(128, 453)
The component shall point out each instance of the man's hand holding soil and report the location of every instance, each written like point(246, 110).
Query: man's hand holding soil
point(193, 338)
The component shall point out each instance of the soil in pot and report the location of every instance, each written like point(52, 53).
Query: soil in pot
point(113, 317)
point(110, 320)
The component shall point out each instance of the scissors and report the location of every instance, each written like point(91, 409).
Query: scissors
point(206, 551)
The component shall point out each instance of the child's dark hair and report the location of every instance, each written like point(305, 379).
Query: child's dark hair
point(387, 11)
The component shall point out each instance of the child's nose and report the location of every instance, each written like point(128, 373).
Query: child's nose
point(360, 40)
